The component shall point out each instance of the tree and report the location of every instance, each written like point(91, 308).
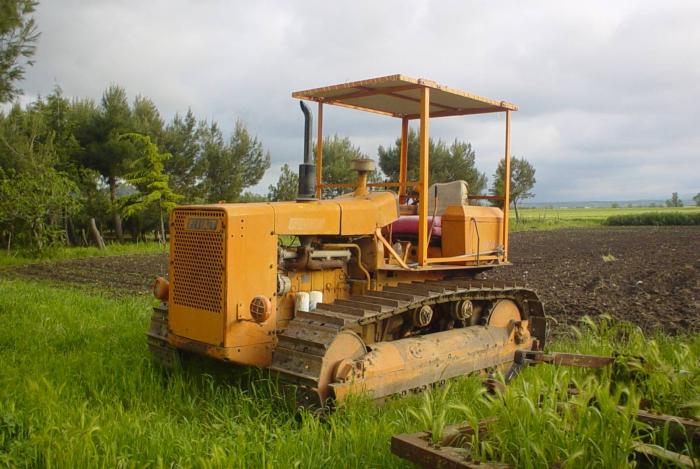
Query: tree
point(33, 206)
point(674, 201)
point(150, 180)
point(447, 163)
point(697, 199)
point(338, 154)
point(181, 138)
point(233, 167)
point(251, 197)
point(286, 187)
point(146, 119)
point(389, 157)
point(103, 148)
point(18, 35)
point(522, 180)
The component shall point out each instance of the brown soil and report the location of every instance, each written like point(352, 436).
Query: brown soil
point(119, 275)
point(650, 276)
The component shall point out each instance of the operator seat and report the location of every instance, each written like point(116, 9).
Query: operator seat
point(448, 193)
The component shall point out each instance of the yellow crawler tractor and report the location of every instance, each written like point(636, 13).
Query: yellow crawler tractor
point(374, 291)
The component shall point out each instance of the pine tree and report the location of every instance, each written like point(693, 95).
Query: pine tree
point(286, 187)
point(447, 163)
point(18, 35)
point(150, 180)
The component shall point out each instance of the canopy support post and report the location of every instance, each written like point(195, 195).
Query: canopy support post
point(319, 151)
point(506, 189)
point(403, 165)
point(424, 177)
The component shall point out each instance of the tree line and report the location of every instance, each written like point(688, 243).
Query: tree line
point(71, 169)
point(66, 162)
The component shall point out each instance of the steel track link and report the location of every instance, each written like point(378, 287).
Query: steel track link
point(299, 355)
point(162, 352)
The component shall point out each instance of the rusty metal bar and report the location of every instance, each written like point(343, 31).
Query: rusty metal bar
point(530, 357)
point(657, 452)
point(418, 448)
point(679, 427)
point(485, 197)
point(369, 184)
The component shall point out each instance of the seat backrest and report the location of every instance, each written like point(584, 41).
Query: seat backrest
point(449, 193)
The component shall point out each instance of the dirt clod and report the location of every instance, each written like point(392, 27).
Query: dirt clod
point(653, 281)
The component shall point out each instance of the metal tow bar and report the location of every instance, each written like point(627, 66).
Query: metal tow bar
point(523, 358)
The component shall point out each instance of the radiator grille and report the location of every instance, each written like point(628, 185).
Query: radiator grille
point(198, 269)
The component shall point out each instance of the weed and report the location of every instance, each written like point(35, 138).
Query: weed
point(77, 389)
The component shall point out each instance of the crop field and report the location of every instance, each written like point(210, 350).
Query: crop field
point(558, 218)
point(77, 388)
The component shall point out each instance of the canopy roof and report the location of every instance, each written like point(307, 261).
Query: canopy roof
point(399, 96)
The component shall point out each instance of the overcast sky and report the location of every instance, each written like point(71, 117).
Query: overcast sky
point(608, 91)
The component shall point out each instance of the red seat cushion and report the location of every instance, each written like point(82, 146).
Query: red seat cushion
point(408, 225)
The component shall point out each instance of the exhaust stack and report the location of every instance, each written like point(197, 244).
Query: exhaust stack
point(307, 169)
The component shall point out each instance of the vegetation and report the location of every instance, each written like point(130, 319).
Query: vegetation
point(57, 253)
point(152, 184)
point(655, 219)
point(287, 185)
point(447, 163)
point(559, 218)
point(674, 201)
point(534, 430)
point(92, 398)
point(65, 162)
point(696, 199)
point(18, 35)
point(522, 181)
point(338, 154)
point(235, 166)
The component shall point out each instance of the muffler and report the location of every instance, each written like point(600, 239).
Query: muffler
point(307, 169)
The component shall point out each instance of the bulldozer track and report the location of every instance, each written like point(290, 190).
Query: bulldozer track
point(157, 337)
point(299, 356)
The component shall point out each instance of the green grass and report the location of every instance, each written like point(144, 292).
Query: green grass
point(77, 389)
point(559, 218)
point(60, 253)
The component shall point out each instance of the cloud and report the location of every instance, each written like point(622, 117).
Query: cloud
point(607, 90)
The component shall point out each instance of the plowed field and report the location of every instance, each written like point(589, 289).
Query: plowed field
point(650, 276)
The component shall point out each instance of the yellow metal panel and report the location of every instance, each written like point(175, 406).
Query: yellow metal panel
point(460, 235)
point(306, 218)
point(362, 215)
point(252, 271)
point(197, 324)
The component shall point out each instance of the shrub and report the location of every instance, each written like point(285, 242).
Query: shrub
point(654, 219)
